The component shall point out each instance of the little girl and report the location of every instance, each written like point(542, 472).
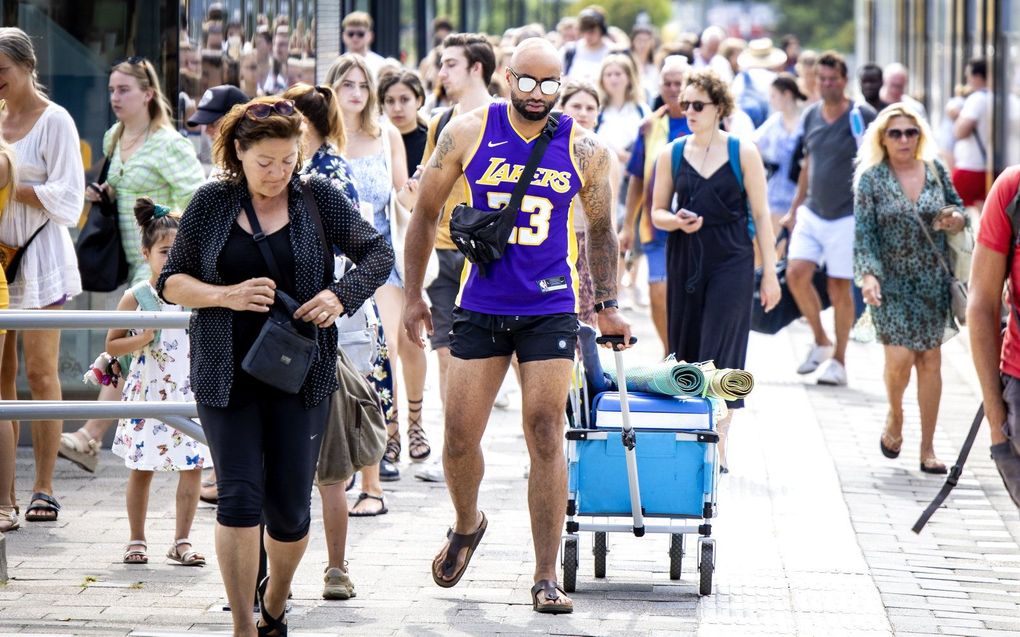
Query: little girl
point(159, 371)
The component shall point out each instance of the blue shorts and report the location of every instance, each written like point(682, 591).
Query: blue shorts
point(655, 252)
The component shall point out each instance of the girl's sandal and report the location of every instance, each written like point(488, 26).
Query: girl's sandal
point(188, 558)
point(9, 519)
point(80, 449)
point(136, 556)
point(418, 447)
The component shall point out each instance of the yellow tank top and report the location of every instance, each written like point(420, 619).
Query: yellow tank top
point(5, 299)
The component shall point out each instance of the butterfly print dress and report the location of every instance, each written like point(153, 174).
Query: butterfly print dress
point(159, 372)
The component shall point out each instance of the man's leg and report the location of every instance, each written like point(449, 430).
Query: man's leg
point(799, 280)
point(545, 387)
point(841, 296)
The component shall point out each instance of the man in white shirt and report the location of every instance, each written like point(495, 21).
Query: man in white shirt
point(894, 88)
point(973, 131)
point(358, 37)
point(582, 60)
point(707, 53)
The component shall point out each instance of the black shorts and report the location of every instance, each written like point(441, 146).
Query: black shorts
point(443, 295)
point(533, 338)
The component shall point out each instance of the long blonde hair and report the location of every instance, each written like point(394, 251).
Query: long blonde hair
point(634, 94)
point(159, 108)
point(872, 152)
point(339, 70)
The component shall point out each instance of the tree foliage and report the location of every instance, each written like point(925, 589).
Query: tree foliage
point(818, 25)
point(623, 13)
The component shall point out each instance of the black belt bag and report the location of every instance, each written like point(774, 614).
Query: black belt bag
point(285, 349)
point(482, 235)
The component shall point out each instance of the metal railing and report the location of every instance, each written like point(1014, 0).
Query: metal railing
point(176, 414)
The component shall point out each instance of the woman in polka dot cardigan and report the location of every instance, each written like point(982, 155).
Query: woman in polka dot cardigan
point(264, 442)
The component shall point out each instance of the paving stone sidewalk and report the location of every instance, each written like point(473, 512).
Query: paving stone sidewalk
point(813, 538)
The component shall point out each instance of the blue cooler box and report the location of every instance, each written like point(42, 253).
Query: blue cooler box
point(676, 457)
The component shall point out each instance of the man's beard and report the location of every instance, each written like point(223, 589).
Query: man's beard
point(521, 107)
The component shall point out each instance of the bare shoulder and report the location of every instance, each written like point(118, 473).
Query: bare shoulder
point(457, 137)
point(591, 154)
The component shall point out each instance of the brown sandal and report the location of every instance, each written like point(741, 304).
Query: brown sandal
point(551, 603)
point(444, 567)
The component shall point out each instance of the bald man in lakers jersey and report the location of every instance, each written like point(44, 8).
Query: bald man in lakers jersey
point(525, 304)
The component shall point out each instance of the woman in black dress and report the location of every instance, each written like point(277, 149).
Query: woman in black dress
point(709, 251)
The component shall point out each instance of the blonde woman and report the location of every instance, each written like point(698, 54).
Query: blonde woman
point(375, 152)
point(8, 439)
point(148, 157)
point(623, 104)
point(900, 191)
point(46, 200)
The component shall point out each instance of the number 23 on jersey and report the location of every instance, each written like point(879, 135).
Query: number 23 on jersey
point(540, 210)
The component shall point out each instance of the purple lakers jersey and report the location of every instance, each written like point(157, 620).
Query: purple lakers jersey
point(537, 273)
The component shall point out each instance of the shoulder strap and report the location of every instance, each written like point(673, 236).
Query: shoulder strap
point(678, 155)
point(857, 126)
point(444, 119)
point(954, 473)
point(529, 169)
point(260, 239)
point(568, 58)
point(327, 249)
point(733, 147)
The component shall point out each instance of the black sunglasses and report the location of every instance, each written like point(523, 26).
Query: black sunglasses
point(897, 133)
point(134, 59)
point(262, 110)
point(355, 34)
point(527, 84)
point(697, 105)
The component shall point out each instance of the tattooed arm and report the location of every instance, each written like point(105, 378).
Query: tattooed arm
point(594, 162)
point(442, 169)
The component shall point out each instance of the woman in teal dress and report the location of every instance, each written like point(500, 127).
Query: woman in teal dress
point(899, 190)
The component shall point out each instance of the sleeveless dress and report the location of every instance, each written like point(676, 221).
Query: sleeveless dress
point(374, 183)
point(159, 372)
point(711, 272)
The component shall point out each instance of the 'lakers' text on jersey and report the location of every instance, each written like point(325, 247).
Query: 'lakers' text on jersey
point(537, 273)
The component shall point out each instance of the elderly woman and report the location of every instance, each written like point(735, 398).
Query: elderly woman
point(264, 442)
point(901, 190)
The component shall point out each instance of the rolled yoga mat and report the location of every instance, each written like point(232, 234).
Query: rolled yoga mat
point(668, 377)
point(727, 384)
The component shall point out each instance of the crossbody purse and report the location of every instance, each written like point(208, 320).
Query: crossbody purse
point(11, 256)
point(482, 235)
point(957, 289)
point(285, 349)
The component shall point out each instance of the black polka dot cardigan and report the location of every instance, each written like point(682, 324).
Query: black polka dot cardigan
point(203, 233)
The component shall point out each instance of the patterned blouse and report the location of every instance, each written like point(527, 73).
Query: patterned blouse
point(166, 169)
point(203, 233)
point(328, 162)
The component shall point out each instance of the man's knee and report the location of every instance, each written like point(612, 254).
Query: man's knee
point(799, 273)
point(546, 433)
point(839, 291)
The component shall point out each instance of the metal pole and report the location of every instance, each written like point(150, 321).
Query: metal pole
point(629, 444)
point(176, 414)
point(90, 319)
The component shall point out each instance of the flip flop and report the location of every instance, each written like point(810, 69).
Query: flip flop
point(49, 503)
point(552, 592)
point(368, 514)
point(446, 561)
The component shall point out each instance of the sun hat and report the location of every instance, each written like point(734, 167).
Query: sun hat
point(760, 54)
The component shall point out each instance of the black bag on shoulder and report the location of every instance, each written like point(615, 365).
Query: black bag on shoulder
point(482, 235)
point(283, 353)
point(101, 259)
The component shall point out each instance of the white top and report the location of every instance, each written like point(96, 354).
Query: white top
point(946, 139)
point(48, 158)
point(619, 127)
point(722, 68)
point(587, 62)
point(967, 152)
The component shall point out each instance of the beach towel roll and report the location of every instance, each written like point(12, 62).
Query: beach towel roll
point(669, 378)
point(728, 384)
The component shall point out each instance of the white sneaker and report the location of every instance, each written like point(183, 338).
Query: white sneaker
point(834, 374)
point(502, 399)
point(432, 472)
point(818, 355)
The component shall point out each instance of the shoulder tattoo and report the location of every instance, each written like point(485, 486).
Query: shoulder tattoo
point(443, 148)
point(592, 157)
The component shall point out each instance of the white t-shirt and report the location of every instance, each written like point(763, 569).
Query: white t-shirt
point(620, 125)
point(587, 62)
point(969, 153)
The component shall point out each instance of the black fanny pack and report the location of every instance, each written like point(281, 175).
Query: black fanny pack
point(482, 235)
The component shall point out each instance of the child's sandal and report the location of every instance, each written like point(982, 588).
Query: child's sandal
point(188, 558)
point(136, 556)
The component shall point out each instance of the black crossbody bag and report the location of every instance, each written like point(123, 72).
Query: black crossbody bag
point(482, 235)
point(285, 349)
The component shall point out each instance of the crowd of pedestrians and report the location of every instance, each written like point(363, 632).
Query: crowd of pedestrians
point(683, 163)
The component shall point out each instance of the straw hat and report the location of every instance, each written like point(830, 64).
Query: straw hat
point(760, 54)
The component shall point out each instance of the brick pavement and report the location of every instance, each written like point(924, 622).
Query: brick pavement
point(813, 538)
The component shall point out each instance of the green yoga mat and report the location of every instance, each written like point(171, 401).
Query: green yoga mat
point(727, 384)
point(669, 378)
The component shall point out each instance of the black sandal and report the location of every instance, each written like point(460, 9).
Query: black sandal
point(418, 447)
point(388, 469)
point(552, 593)
point(368, 514)
point(271, 626)
point(48, 504)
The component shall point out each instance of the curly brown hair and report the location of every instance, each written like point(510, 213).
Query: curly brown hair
point(708, 82)
point(238, 127)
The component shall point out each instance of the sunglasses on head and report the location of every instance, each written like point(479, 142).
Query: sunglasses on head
point(900, 133)
point(697, 105)
point(134, 59)
point(262, 110)
point(527, 84)
point(355, 34)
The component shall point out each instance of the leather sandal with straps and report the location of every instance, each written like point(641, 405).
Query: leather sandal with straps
point(188, 558)
point(418, 447)
point(554, 598)
point(9, 518)
point(388, 469)
point(136, 556)
point(271, 626)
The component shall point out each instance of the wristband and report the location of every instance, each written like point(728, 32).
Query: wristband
point(602, 305)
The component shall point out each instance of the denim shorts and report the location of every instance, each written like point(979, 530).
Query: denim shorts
point(382, 226)
point(655, 252)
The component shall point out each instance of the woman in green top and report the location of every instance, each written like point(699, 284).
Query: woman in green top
point(148, 157)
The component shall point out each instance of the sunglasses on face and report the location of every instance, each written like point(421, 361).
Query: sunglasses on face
point(697, 105)
point(262, 110)
point(900, 133)
point(355, 34)
point(527, 84)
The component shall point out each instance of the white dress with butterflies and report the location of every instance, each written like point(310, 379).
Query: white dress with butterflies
point(159, 372)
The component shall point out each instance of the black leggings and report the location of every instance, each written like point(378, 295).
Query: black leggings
point(265, 453)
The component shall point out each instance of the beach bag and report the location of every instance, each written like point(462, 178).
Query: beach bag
point(101, 259)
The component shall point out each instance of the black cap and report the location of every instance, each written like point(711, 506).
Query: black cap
point(217, 102)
